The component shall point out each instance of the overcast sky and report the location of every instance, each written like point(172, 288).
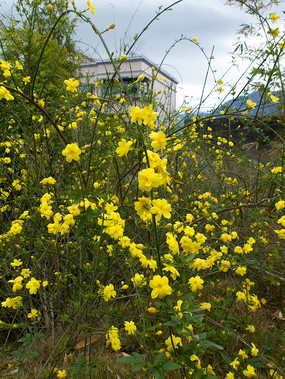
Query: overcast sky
point(212, 22)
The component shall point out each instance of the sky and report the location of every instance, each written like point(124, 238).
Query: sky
point(213, 23)
point(210, 21)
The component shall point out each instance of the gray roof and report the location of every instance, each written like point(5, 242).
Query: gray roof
point(131, 59)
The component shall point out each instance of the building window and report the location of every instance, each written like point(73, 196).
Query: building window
point(127, 86)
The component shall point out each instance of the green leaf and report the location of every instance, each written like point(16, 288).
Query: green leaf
point(202, 336)
point(157, 373)
point(225, 358)
point(169, 365)
point(138, 356)
point(81, 359)
point(33, 353)
point(206, 344)
point(76, 368)
point(171, 323)
point(127, 360)
point(168, 303)
point(136, 367)
point(159, 358)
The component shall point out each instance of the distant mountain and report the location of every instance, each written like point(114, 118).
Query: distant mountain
point(266, 108)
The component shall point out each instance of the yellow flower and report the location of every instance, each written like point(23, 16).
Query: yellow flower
point(173, 341)
point(280, 205)
point(49, 180)
point(15, 229)
point(74, 209)
point(247, 248)
point(251, 104)
point(194, 358)
point(160, 287)
point(27, 79)
point(71, 152)
point(14, 303)
point(91, 7)
point(16, 263)
point(224, 265)
point(148, 179)
point(276, 170)
point(274, 99)
point(206, 306)
point(41, 102)
point(109, 292)
point(241, 296)
point(281, 221)
point(249, 372)
point(196, 283)
point(250, 328)
point(124, 241)
point(5, 94)
point(152, 310)
point(113, 337)
point(33, 286)
point(143, 207)
point(71, 84)
point(235, 364)
point(280, 233)
point(199, 264)
point(158, 141)
point(172, 244)
point(26, 272)
point(130, 327)
point(161, 208)
point(241, 271)
point(18, 65)
point(275, 32)
point(195, 40)
point(4, 65)
point(254, 350)
point(17, 283)
point(139, 280)
point(145, 115)
point(189, 218)
point(243, 354)
point(173, 271)
point(61, 374)
point(274, 17)
point(123, 148)
point(33, 314)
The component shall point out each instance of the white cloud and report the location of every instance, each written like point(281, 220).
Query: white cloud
point(211, 21)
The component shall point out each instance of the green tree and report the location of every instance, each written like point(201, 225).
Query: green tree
point(42, 41)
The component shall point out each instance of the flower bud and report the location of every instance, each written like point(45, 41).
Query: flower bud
point(151, 310)
point(140, 78)
point(50, 8)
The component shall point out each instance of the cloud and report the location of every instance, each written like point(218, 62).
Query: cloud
point(211, 21)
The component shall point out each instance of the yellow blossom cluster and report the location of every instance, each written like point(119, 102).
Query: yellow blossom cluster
point(113, 337)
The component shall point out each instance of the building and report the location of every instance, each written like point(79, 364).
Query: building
point(163, 84)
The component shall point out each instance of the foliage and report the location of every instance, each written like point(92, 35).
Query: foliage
point(45, 50)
